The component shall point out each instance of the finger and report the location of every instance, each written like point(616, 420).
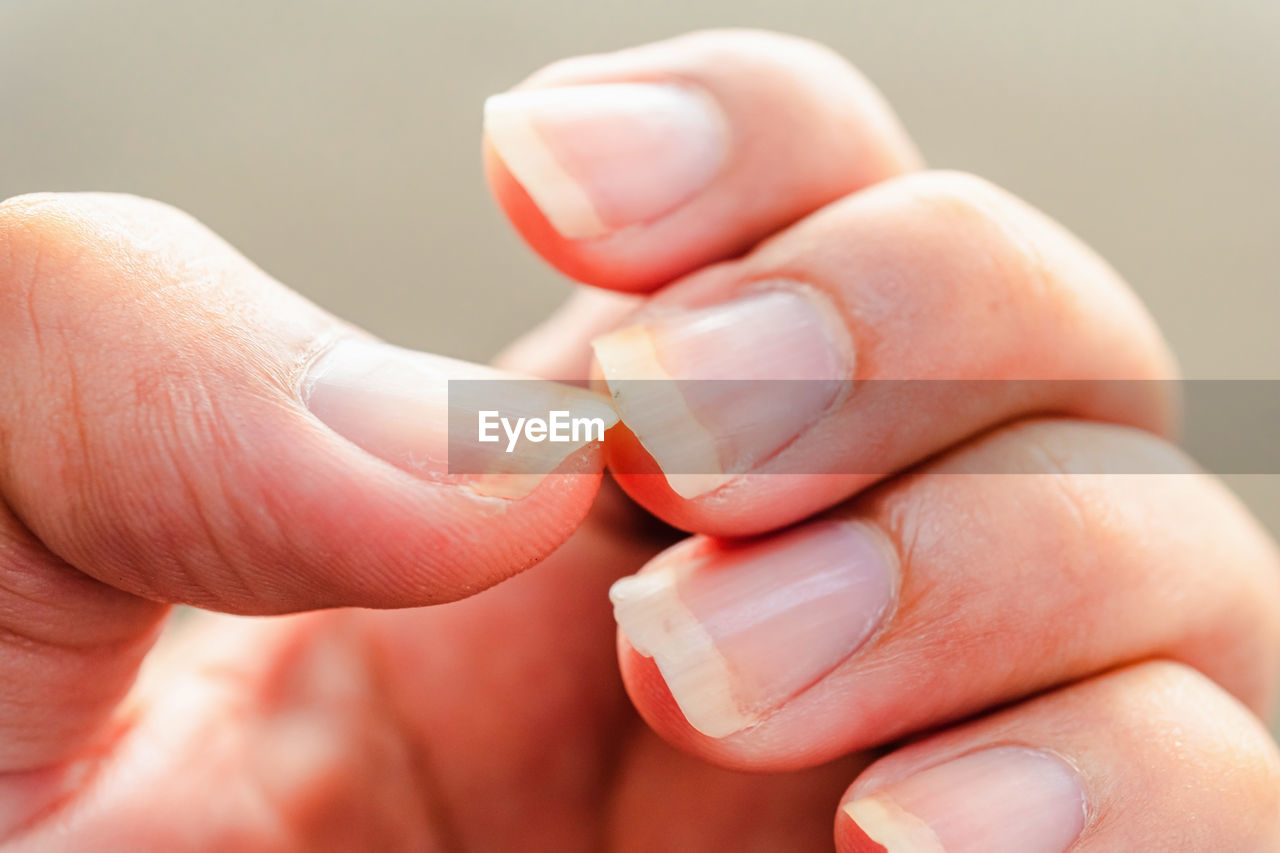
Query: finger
point(1154, 757)
point(285, 710)
point(69, 648)
point(628, 169)
point(994, 573)
point(178, 425)
point(761, 391)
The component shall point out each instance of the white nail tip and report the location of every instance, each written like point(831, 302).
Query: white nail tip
point(508, 122)
point(649, 401)
point(658, 625)
point(896, 830)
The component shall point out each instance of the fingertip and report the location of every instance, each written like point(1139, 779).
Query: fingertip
point(231, 446)
point(850, 838)
point(396, 540)
point(606, 261)
point(627, 170)
point(652, 699)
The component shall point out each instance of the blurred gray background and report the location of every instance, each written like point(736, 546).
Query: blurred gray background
point(337, 144)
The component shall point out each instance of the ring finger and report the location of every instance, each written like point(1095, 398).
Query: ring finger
point(926, 599)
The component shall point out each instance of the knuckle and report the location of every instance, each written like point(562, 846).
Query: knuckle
point(1069, 447)
point(52, 231)
point(1165, 688)
point(42, 225)
point(43, 239)
point(1212, 547)
point(1027, 253)
point(1167, 484)
point(62, 255)
point(979, 234)
point(1179, 698)
point(962, 199)
point(1186, 744)
point(30, 226)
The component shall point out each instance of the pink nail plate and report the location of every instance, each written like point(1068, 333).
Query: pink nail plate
point(396, 404)
point(738, 629)
point(599, 158)
point(716, 391)
point(1001, 800)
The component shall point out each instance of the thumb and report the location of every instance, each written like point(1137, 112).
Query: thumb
point(177, 424)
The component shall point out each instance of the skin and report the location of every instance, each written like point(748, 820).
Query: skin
point(154, 449)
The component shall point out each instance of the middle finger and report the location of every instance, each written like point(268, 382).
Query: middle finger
point(926, 277)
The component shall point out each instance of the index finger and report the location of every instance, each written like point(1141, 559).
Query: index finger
point(629, 169)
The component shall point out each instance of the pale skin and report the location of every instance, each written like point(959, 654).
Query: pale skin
point(155, 449)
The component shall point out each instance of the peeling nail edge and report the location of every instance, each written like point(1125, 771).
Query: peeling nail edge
point(886, 823)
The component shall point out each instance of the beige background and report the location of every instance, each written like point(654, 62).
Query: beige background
point(337, 143)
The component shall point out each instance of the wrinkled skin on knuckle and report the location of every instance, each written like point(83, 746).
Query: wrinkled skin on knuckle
point(145, 369)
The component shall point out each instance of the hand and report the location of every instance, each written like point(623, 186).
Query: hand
point(176, 427)
point(1067, 615)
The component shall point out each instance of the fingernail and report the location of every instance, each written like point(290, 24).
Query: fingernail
point(397, 405)
point(737, 630)
point(706, 391)
point(1001, 800)
point(596, 159)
